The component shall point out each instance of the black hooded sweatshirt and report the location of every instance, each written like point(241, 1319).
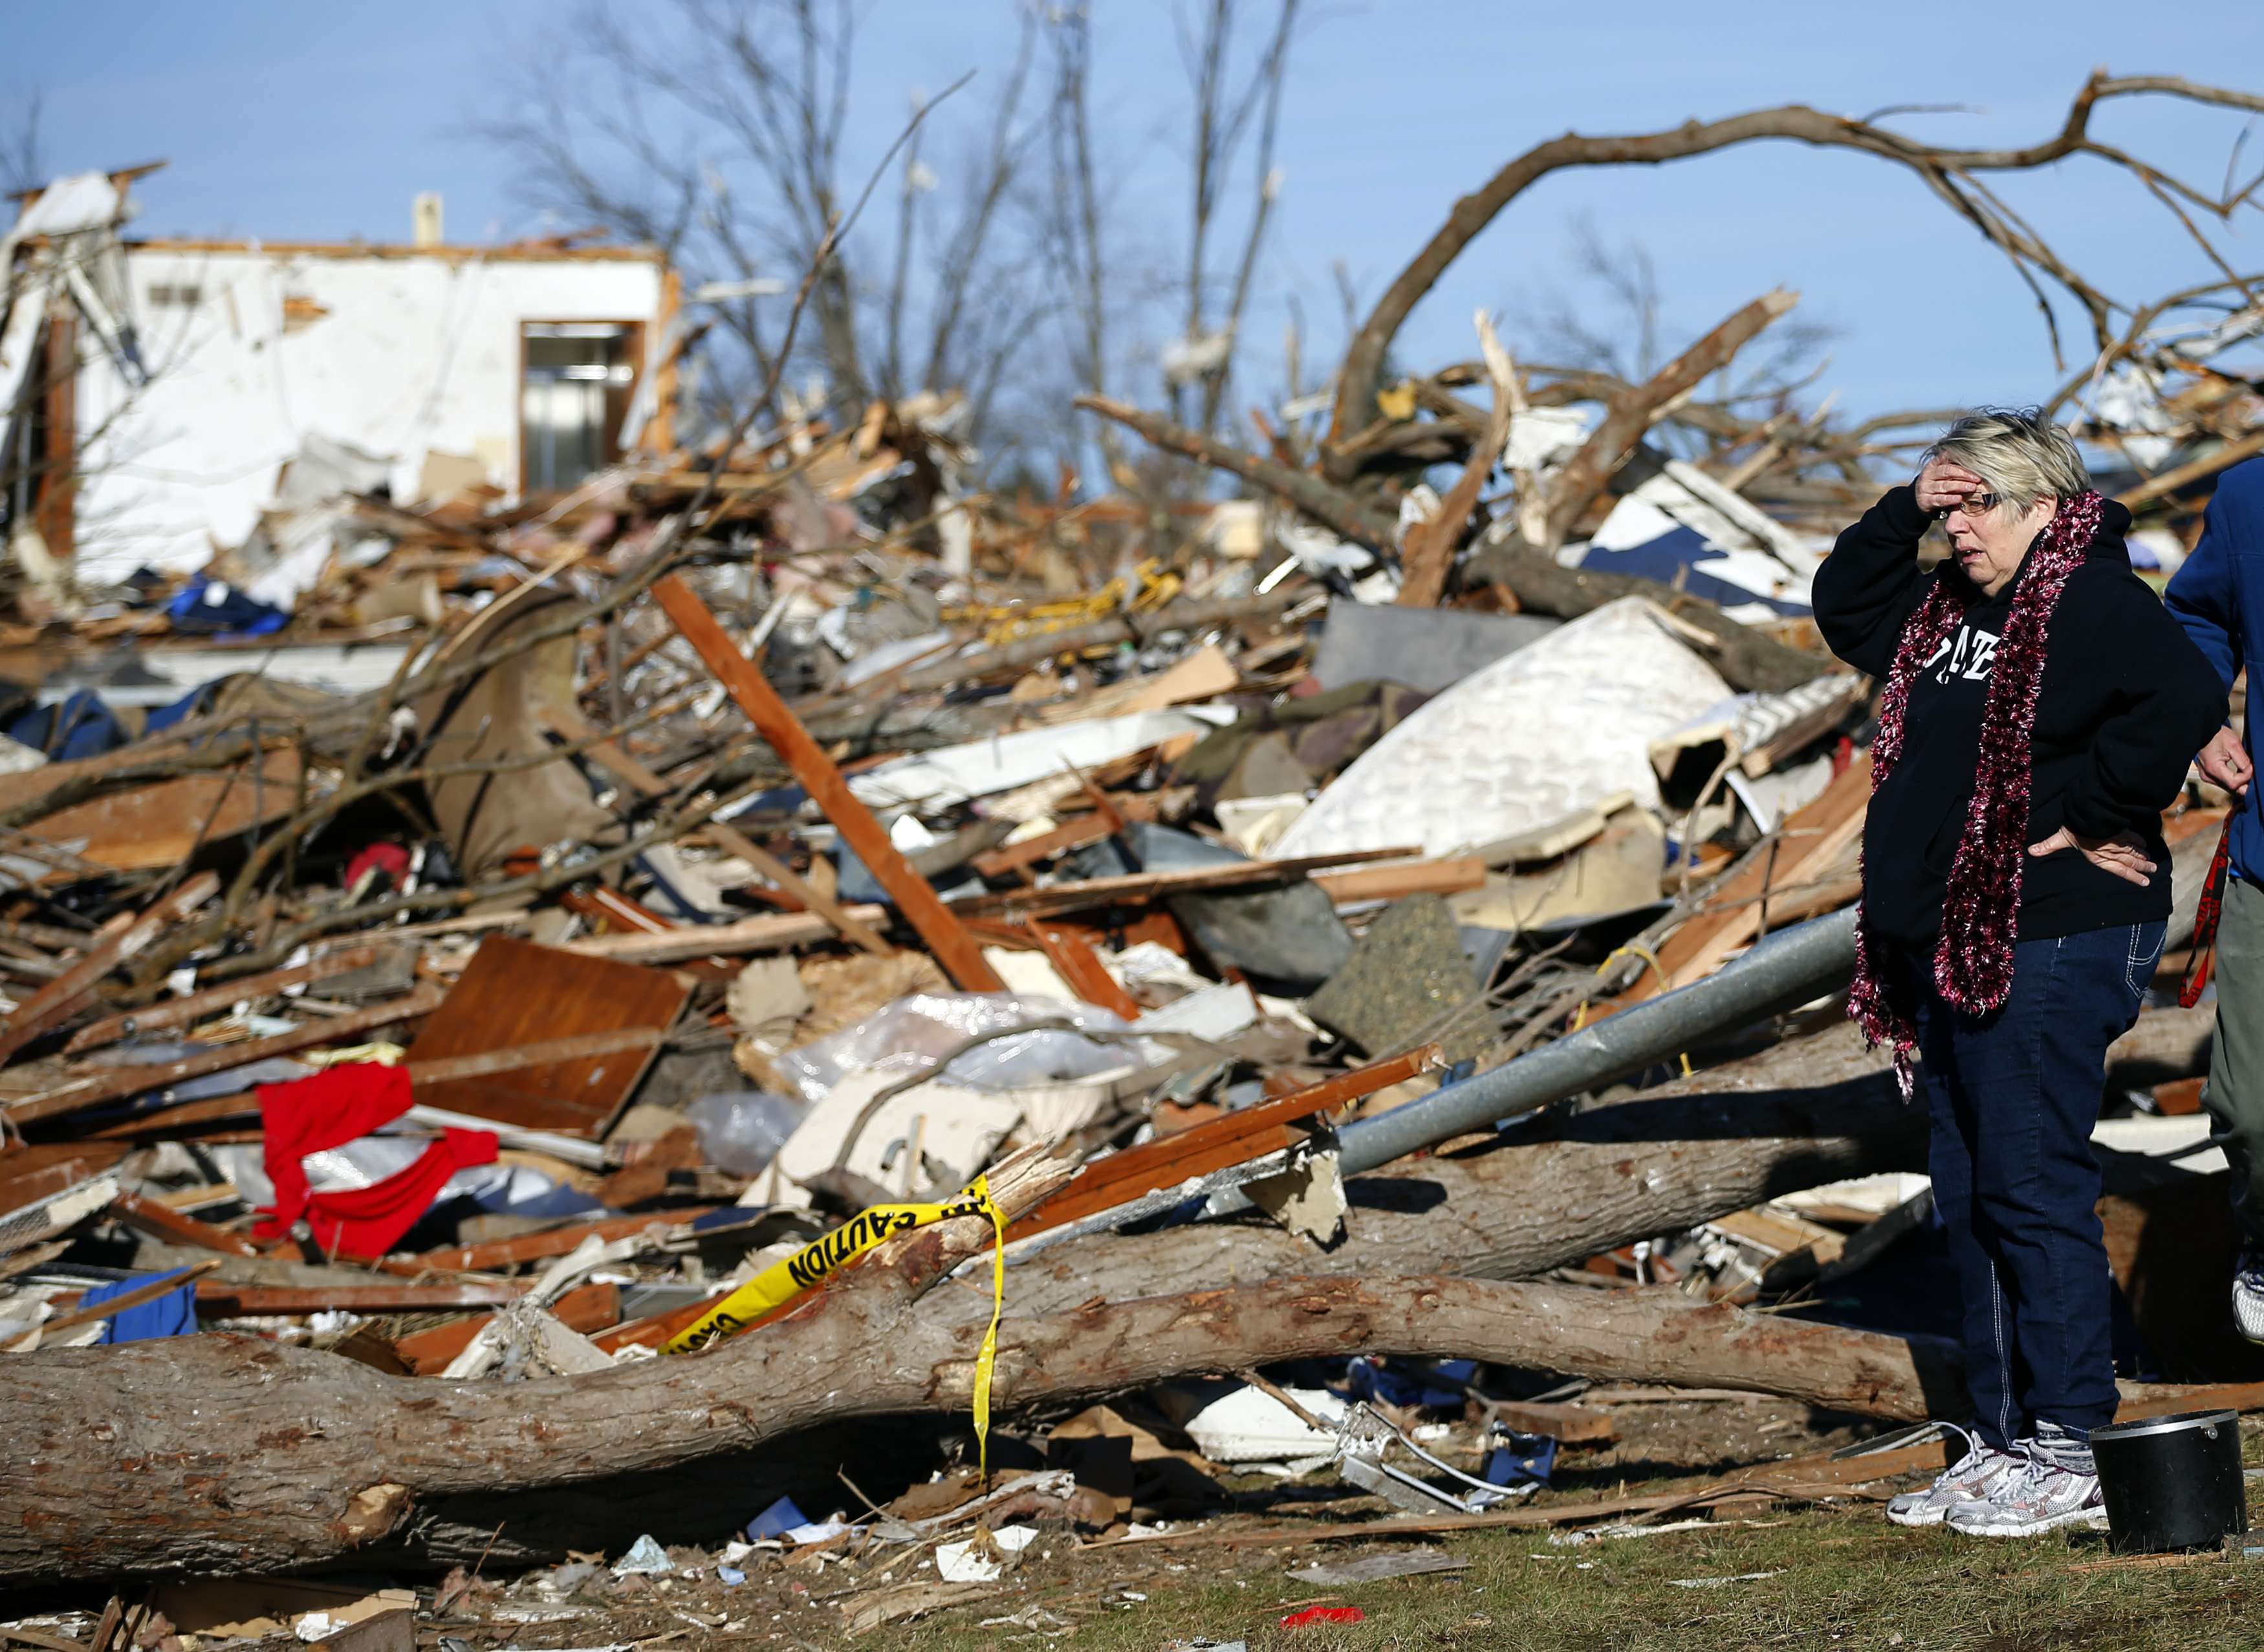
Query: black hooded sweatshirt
point(2126, 700)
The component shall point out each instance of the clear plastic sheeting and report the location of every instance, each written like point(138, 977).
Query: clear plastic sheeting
point(741, 1130)
point(916, 1034)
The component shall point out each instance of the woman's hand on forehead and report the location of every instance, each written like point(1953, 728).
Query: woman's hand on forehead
point(1943, 484)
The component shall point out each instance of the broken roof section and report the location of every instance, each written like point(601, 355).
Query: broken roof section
point(223, 368)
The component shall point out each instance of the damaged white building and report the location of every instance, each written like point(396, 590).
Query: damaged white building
point(166, 398)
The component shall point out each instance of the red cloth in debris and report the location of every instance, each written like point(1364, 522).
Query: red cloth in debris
point(341, 1105)
point(390, 859)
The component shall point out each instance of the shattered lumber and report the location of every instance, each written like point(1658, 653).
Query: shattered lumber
point(113, 945)
point(1337, 510)
point(957, 950)
point(1628, 416)
point(235, 1454)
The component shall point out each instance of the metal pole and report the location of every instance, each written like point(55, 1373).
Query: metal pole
point(1790, 966)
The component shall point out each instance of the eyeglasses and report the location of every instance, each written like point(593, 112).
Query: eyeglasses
point(1974, 504)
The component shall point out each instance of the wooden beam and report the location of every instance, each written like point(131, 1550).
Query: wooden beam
point(1138, 887)
point(181, 1011)
point(768, 932)
point(954, 948)
point(555, 1241)
point(1389, 883)
point(223, 1299)
point(134, 1298)
point(165, 1223)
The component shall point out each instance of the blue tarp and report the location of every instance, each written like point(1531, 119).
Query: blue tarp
point(82, 725)
point(1666, 557)
point(172, 1314)
point(209, 608)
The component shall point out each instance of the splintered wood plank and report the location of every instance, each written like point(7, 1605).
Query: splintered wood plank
point(1217, 1144)
point(427, 1353)
point(163, 823)
point(515, 992)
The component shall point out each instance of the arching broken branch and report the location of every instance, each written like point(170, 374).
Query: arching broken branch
point(1951, 173)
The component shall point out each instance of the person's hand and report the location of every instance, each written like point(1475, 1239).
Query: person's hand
point(1943, 484)
point(2123, 854)
point(2223, 763)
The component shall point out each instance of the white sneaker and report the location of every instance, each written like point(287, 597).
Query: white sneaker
point(1970, 1477)
point(2044, 1495)
point(2248, 1295)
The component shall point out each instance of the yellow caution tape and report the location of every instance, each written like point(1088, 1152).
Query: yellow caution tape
point(1155, 586)
point(784, 1281)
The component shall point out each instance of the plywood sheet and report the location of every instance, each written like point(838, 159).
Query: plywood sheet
point(161, 824)
point(514, 993)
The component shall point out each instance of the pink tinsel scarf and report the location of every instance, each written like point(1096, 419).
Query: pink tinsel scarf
point(1981, 907)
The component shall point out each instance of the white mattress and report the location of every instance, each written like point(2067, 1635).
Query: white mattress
point(1557, 727)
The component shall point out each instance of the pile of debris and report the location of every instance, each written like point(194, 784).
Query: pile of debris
point(618, 1019)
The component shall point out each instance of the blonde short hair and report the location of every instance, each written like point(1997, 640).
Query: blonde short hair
point(2019, 454)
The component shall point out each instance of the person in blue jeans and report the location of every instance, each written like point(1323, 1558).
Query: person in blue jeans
point(2038, 709)
point(2219, 598)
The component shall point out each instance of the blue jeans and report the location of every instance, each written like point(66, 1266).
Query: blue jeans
point(2013, 1097)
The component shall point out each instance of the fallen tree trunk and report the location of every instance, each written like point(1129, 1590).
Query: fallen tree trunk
point(1807, 1111)
point(229, 1453)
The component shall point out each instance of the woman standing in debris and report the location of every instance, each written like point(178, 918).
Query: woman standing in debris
point(2037, 713)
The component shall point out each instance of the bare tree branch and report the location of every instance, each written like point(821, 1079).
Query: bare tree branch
point(1940, 167)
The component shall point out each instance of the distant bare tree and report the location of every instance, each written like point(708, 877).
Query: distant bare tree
point(1607, 320)
point(22, 163)
point(1226, 114)
point(1070, 213)
point(714, 130)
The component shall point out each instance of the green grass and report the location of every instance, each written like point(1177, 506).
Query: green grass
point(1846, 1578)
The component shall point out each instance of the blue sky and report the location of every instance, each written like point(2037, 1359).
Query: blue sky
point(321, 121)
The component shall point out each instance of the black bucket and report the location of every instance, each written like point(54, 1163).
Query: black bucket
point(2172, 1483)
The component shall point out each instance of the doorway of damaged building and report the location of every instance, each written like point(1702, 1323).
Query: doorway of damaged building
point(39, 458)
point(577, 382)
